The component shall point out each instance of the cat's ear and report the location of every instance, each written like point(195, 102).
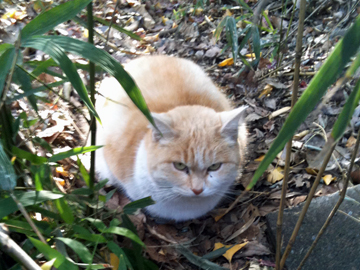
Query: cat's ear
point(163, 128)
point(230, 122)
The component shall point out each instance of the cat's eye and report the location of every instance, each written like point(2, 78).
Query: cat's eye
point(180, 166)
point(214, 167)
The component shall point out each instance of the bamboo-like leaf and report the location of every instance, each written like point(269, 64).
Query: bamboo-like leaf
point(7, 173)
point(120, 254)
point(83, 233)
point(60, 263)
point(232, 36)
point(219, 28)
point(120, 29)
point(58, 54)
point(51, 18)
point(244, 5)
point(102, 59)
point(34, 159)
point(85, 175)
point(327, 75)
point(130, 208)
point(24, 80)
point(256, 40)
point(6, 60)
point(8, 205)
point(65, 211)
point(124, 232)
point(198, 261)
point(78, 248)
point(73, 152)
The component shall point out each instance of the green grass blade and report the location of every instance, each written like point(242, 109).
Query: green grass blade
point(327, 75)
point(8, 205)
point(346, 113)
point(51, 18)
point(24, 80)
point(106, 62)
point(118, 28)
point(114, 248)
point(64, 211)
point(72, 152)
point(219, 28)
point(232, 36)
point(6, 60)
point(268, 20)
point(34, 159)
point(7, 173)
point(50, 47)
point(244, 5)
point(256, 40)
point(78, 248)
point(130, 208)
point(60, 263)
point(124, 232)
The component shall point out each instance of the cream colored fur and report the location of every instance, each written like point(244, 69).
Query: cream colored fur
point(197, 127)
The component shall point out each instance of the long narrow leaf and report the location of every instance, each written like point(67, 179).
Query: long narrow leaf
point(256, 40)
point(60, 263)
point(24, 80)
point(57, 53)
point(232, 36)
point(64, 211)
point(102, 59)
point(327, 75)
point(124, 232)
point(78, 248)
point(73, 152)
point(120, 29)
point(6, 60)
point(34, 159)
point(7, 173)
point(51, 18)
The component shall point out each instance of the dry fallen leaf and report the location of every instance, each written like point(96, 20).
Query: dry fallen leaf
point(275, 175)
point(252, 55)
point(227, 62)
point(227, 13)
point(328, 179)
point(61, 171)
point(230, 252)
point(311, 171)
point(350, 142)
point(267, 90)
point(114, 261)
point(260, 158)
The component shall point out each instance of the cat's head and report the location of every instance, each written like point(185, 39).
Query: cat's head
point(194, 151)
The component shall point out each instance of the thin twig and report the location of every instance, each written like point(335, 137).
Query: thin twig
point(306, 206)
point(27, 217)
point(10, 247)
point(298, 51)
point(336, 207)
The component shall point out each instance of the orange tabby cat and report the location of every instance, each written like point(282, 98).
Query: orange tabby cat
point(190, 167)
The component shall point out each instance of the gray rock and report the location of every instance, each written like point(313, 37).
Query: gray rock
point(339, 246)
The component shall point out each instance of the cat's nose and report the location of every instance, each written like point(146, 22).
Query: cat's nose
point(197, 191)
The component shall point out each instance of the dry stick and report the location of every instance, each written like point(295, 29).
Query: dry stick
point(336, 207)
point(92, 93)
point(306, 206)
point(27, 217)
point(298, 51)
point(10, 247)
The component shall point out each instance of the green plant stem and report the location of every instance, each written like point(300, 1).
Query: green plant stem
point(305, 207)
point(27, 217)
point(92, 94)
point(336, 207)
point(298, 51)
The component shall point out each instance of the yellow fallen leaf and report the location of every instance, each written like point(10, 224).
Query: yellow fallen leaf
point(226, 62)
point(230, 252)
point(60, 170)
point(151, 39)
point(9, 14)
point(311, 171)
point(260, 158)
point(48, 265)
point(252, 55)
point(275, 175)
point(328, 179)
point(161, 252)
point(302, 134)
point(227, 13)
point(158, 6)
point(198, 11)
point(267, 90)
point(114, 261)
point(164, 20)
point(350, 142)
point(86, 33)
